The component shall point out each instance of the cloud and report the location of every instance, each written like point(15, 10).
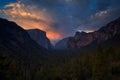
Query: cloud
point(61, 18)
point(99, 19)
point(30, 17)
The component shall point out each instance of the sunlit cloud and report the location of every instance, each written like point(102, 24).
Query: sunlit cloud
point(90, 31)
point(29, 17)
point(61, 18)
point(101, 14)
point(87, 31)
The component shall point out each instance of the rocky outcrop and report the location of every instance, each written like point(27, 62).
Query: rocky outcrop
point(40, 37)
point(82, 39)
point(62, 44)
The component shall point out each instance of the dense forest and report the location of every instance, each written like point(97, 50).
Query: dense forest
point(101, 64)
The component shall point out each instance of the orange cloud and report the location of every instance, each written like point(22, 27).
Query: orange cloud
point(89, 31)
point(51, 33)
point(29, 18)
point(54, 36)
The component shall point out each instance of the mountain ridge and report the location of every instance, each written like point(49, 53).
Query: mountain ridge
point(15, 41)
point(106, 32)
point(40, 37)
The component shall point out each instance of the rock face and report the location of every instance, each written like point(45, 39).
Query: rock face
point(40, 37)
point(16, 41)
point(82, 39)
point(62, 44)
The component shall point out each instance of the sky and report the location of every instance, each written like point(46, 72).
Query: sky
point(60, 18)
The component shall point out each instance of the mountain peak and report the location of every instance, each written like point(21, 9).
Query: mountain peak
point(37, 31)
point(108, 31)
point(13, 38)
point(40, 37)
point(82, 33)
